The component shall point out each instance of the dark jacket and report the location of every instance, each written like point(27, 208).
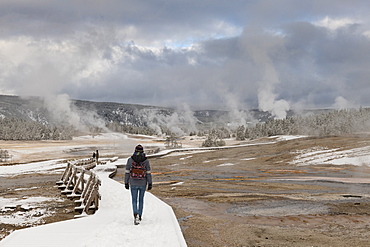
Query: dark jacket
point(141, 158)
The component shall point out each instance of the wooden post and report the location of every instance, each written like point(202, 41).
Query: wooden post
point(79, 186)
point(74, 183)
point(66, 177)
point(61, 181)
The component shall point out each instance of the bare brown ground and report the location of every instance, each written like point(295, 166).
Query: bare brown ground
point(241, 204)
point(234, 197)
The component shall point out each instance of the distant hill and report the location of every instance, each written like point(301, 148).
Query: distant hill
point(31, 108)
point(35, 118)
point(35, 109)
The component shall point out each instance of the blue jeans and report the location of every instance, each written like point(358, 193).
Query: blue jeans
point(137, 206)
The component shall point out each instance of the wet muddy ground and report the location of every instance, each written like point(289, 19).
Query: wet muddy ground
point(20, 188)
point(243, 196)
point(255, 196)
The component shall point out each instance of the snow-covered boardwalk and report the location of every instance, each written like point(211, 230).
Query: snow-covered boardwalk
point(112, 225)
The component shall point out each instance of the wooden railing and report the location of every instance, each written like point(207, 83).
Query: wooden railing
point(82, 185)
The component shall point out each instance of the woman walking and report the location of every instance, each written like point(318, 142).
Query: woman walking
point(138, 178)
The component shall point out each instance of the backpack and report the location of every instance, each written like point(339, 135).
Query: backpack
point(137, 170)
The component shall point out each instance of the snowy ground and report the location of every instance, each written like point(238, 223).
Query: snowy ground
point(320, 155)
point(29, 213)
point(50, 166)
point(111, 225)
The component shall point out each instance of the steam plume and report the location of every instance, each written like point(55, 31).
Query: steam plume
point(261, 50)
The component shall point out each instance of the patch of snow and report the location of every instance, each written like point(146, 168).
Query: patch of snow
point(26, 218)
point(287, 137)
point(30, 204)
point(31, 188)
point(40, 167)
point(140, 136)
point(317, 156)
point(184, 158)
point(248, 159)
point(179, 183)
point(227, 164)
point(4, 202)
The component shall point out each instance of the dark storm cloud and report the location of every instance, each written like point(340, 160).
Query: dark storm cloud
point(274, 55)
point(333, 62)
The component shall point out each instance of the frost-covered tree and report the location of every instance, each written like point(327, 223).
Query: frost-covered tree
point(4, 155)
point(240, 133)
point(324, 124)
point(214, 139)
point(19, 129)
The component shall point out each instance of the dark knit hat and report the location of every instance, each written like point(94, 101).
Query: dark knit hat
point(139, 148)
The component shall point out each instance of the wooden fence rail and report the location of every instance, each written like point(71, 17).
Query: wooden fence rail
point(82, 185)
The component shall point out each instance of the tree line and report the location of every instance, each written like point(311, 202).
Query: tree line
point(324, 124)
point(336, 122)
point(331, 123)
point(20, 129)
point(319, 124)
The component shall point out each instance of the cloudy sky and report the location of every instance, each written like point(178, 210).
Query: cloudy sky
point(268, 54)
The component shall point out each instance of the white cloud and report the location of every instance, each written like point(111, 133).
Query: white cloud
point(335, 23)
point(187, 51)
